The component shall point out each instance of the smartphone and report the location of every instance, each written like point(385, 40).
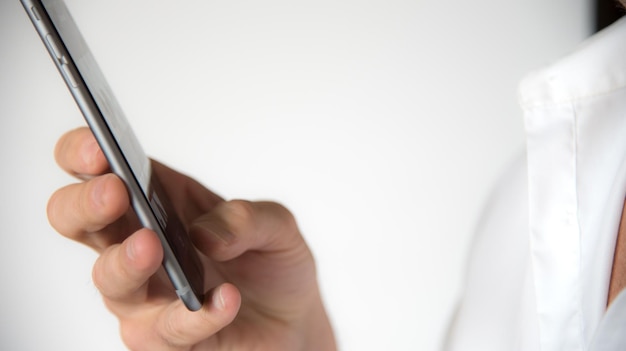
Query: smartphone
point(104, 116)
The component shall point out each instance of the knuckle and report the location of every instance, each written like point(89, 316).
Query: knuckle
point(239, 215)
point(239, 211)
point(52, 208)
point(284, 222)
point(60, 146)
point(103, 274)
point(285, 217)
point(98, 276)
point(65, 151)
point(59, 212)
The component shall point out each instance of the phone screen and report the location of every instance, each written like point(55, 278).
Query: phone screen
point(106, 119)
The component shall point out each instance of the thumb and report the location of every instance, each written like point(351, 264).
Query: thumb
point(237, 226)
point(178, 328)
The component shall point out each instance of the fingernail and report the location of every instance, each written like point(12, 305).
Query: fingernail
point(130, 249)
point(98, 191)
point(89, 152)
point(218, 299)
point(222, 235)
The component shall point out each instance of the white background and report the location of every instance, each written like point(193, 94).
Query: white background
point(380, 123)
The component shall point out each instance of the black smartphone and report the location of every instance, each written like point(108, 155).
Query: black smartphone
point(104, 116)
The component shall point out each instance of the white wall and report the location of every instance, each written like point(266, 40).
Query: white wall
point(380, 123)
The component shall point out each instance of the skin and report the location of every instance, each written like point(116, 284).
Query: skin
point(618, 273)
point(262, 291)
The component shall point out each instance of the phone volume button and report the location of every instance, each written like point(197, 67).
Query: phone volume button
point(69, 77)
point(35, 12)
point(53, 46)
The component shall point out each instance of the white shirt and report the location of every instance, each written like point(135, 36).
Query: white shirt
point(540, 266)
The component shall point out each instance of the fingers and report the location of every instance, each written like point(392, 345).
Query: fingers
point(124, 276)
point(78, 153)
point(237, 226)
point(78, 210)
point(121, 272)
point(97, 213)
point(262, 252)
point(173, 327)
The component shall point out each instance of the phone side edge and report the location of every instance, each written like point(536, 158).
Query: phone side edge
point(92, 115)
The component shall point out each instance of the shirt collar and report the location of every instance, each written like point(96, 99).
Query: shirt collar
point(575, 116)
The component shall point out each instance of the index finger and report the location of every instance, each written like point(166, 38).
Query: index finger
point(78, 153)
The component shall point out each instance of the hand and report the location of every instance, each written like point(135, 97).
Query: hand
point(262, 286)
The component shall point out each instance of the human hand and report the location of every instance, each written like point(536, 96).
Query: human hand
point(261, 279)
